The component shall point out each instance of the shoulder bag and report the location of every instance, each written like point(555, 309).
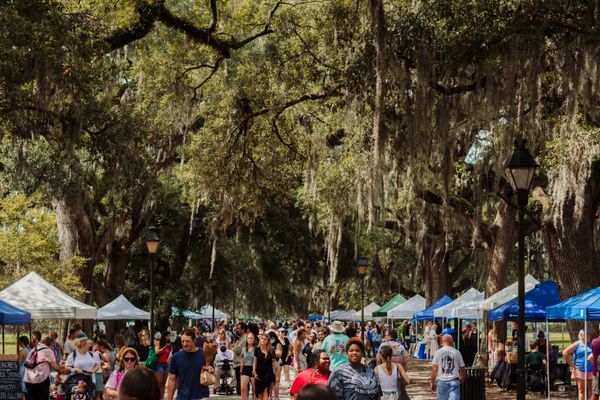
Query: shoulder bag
point(207, 378)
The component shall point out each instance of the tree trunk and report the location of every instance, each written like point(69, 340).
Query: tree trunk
point(434, 258)
point(568, 218)
point(76, 236)
point(503, 238)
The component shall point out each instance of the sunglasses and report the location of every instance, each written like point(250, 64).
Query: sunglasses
point(129, 359)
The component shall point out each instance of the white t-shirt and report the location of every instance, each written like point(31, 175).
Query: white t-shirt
point(85, 362)
point(220, 356)
point(449, 362)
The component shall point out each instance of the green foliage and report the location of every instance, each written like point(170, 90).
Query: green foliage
point(29, 242)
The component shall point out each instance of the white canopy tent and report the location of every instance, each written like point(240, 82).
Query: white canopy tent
point(207, 313)
point(44, 301)
point(465, 306)
point(368, 312)
point(121, 309)
point(410, 307)
point(507, 294)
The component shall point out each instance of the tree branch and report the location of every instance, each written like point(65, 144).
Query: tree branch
point(213, 17)
point(266, 30)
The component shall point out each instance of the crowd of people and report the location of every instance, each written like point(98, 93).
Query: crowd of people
point(256, 360)
point(260, 360)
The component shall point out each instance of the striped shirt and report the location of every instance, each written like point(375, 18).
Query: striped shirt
point(350, 383)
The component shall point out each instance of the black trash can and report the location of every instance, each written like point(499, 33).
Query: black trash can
point(474, 386)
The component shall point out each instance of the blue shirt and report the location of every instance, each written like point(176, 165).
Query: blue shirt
point(187, 367)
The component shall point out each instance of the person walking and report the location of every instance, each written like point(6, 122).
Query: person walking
point(263, 368)
point(162, 348)
point(299, 356)
point(185, 369)
point(447, 371)
point(247, 365)
point(241, 330)
point(128, 360)
point(335, 345)
point(37, 372)
point(317, 373)
point(355, 381)
point(392, 376)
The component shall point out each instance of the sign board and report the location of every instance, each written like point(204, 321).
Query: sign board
point(10, 381)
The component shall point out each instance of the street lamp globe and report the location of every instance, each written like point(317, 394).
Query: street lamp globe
point(362, 265)
point(152, 240)
point(520, 167)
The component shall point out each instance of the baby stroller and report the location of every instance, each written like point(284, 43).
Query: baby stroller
point(225, 384)
point(70, 384)
point(536, 378)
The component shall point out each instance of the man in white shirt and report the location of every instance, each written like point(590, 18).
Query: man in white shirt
point(222, 355)
point(447, 371)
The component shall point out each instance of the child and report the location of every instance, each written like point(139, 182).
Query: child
point(80, 392)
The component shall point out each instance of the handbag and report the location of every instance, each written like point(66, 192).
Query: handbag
point(207, 378)
point(402, 393)
point(152, 359)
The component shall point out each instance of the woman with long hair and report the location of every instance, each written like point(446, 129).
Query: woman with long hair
point(246, 366)
point(575, 355)
point(299, 357)
point(143, 346)
point(390, 375)
point(263, 368)
point(128, 360)
point(162, 348)
point(285, 354)
point(278, 352)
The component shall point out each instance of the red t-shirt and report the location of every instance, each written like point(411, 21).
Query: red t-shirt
point(308, 376)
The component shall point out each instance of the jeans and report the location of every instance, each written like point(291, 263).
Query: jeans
point(448, 390)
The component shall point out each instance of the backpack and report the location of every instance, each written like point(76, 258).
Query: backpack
point(31, 359)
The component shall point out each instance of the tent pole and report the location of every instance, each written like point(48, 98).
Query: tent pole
point(3, 341)
point(548, 357)
point(585, 371)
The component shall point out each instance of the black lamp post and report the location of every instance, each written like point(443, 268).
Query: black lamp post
point(213, 284)
point(152, 241)
point(362, 265)
point(520, 168)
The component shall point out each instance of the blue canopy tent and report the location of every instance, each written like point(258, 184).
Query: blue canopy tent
point(314, 317)
point(427, 314)
point(543, 295)
point(585, 306)
point(537, 301)
point(11, 315)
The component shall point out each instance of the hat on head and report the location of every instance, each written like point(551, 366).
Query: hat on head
point(337, 327)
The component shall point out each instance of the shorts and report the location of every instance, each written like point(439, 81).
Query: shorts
point(287, 361)
point(596, 384)
point(580, 375)
point(162, 367)
point(247, 371)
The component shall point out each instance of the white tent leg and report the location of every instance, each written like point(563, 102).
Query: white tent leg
point(548, 357)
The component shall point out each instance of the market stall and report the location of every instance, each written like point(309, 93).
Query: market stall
point(44, 301)
point(121, 309)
